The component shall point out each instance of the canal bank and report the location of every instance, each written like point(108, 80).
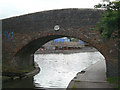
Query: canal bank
point(84, 49)
point(35, 71)
point(92, 77)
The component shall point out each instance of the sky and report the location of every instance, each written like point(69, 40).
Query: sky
point(11, 8)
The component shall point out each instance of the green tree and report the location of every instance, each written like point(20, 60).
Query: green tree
point(109, 24)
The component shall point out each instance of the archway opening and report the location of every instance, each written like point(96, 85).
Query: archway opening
point(61, 59)
point(25, 60)
point(25, 56)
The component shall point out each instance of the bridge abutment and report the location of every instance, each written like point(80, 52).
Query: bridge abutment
point(111, 69)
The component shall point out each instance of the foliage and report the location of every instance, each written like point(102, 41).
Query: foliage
point(70, 38)
point(77, 80)
point(73, 87)
point(115, 81)
point(109, 24)
point(73, 39)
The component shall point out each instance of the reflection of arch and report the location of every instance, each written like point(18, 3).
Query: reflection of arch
point(33, 30)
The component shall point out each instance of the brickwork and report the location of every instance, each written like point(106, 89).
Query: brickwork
point(31, 31)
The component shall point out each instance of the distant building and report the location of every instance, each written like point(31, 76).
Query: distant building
point(61, 40)
point(81, 42)
point(63, 44)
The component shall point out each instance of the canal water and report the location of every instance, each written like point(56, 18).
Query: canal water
point(57, 70)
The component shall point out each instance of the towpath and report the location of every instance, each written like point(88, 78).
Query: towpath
point(93, 77)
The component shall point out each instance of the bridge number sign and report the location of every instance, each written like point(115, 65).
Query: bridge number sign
point(56, 27)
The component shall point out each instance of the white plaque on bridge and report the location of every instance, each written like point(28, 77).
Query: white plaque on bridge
point(56, 27)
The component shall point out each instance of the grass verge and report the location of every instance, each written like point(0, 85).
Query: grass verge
point(115, 81)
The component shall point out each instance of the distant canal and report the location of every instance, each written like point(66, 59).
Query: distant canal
point(57, 70)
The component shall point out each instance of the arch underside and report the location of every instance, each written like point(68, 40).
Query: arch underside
point(25, 56)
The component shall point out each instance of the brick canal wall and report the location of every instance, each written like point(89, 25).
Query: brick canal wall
point(23, 35)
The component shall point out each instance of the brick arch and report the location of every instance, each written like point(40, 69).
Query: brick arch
point(33, 30)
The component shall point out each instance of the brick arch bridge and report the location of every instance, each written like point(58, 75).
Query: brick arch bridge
point(23, 35)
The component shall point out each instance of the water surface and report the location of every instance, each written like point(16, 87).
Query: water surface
point(57, 70)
